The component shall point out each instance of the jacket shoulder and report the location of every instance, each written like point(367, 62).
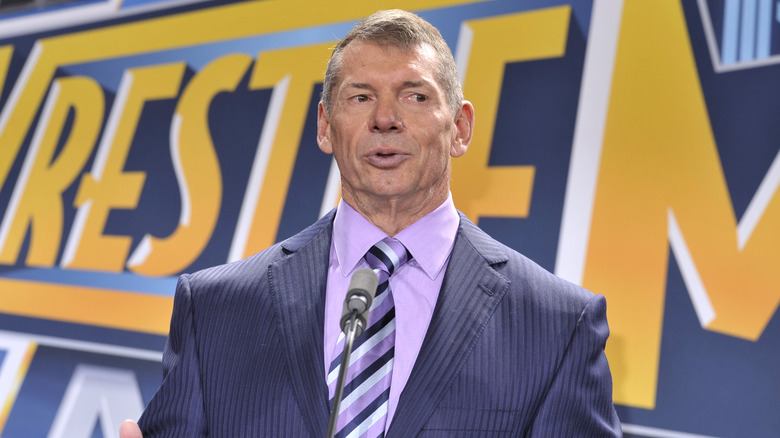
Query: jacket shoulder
point(527, 279)
point(254, 266)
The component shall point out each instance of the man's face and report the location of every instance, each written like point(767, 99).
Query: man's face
point(390, 127)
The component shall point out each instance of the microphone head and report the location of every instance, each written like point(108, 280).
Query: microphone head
point(362, 288)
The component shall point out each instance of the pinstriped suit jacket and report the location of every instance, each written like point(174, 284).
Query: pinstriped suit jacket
point(512, 351)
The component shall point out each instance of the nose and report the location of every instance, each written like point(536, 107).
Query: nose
point(387, 116)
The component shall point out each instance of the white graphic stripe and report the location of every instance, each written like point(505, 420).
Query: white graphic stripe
point(588, 139)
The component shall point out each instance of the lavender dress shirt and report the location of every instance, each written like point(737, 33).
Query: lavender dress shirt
point(415, 286)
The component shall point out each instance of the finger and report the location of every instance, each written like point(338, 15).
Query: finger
point(130, 429)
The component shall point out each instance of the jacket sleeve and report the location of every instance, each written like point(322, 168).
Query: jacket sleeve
point(579, 401)
point(177, 408)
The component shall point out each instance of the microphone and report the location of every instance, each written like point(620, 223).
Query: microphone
point(362, 288)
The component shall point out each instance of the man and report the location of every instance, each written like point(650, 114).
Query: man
point(487, 343)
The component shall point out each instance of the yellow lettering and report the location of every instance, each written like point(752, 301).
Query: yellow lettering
point(37, 197)
point(660, 179)
point(108, 186)
point(197, 169)
point(293, 74)
point(164, 33)
point(5, 62)
point(505, 191)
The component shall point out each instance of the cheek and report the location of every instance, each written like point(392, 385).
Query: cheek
point(343, 139)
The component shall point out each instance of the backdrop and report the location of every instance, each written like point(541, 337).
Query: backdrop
point(629, 146)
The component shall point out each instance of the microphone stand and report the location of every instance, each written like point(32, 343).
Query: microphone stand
point(334, 412)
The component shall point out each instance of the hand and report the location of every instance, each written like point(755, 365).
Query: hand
point(130, 429)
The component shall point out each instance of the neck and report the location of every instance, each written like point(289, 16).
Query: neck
point(393, 214)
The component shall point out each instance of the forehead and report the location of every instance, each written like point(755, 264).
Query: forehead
point(362, 58)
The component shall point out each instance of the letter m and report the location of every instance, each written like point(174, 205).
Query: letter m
point(659, 184)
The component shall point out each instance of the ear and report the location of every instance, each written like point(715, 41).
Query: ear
point(464, 129)
point(323, 130)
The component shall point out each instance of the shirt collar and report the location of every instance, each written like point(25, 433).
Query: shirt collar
point(430, 239)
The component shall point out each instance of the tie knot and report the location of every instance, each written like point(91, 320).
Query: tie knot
point(387, 255)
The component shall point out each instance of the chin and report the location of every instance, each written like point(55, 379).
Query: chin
point(392, 190)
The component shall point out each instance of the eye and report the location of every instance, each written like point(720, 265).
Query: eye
point(419, 97)
point(360, 98)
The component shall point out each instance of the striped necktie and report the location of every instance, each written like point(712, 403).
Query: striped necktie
point(363, 411)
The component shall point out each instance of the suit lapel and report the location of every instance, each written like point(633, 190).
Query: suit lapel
point(298, 282)
point(470, 294)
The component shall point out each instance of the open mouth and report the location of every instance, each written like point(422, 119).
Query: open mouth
point(386, 160)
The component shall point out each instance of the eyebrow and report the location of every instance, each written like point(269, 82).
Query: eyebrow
point(414, 84)
point(360, 85)
point(406, 84)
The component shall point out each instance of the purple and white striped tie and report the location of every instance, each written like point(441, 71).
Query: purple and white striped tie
point(363, 411)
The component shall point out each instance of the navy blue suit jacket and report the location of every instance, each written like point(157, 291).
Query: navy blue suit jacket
point(511, 350)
